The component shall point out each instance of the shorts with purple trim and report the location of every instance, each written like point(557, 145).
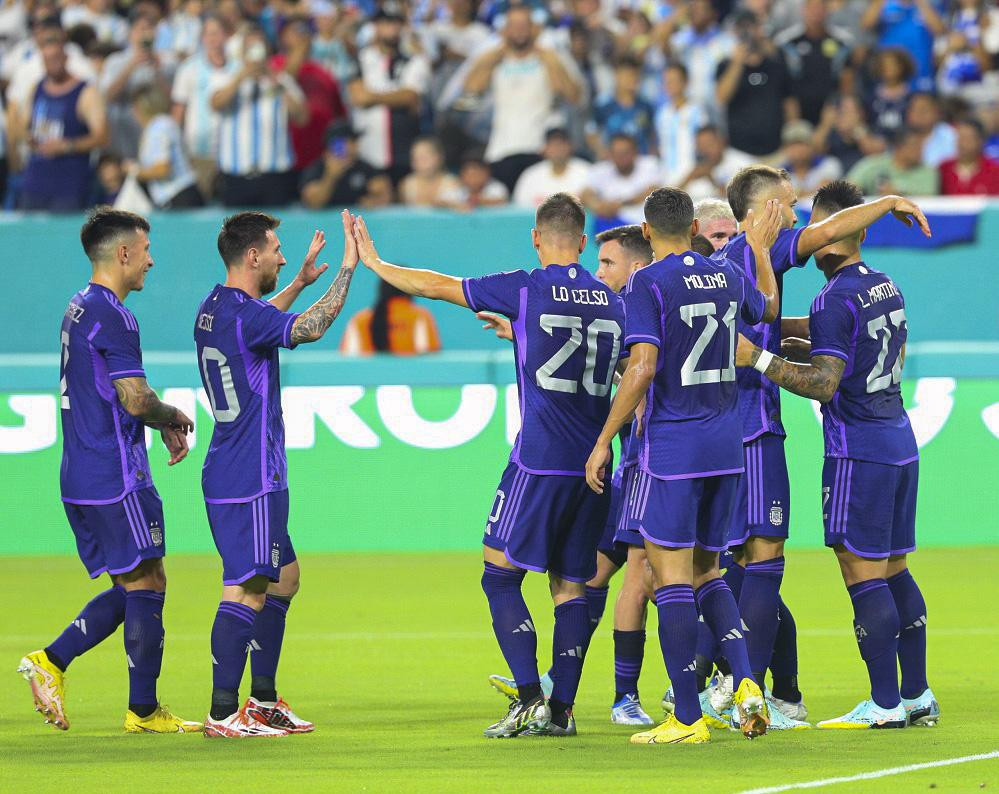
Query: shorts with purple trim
point(616, 552)
point(679, 514)
point(870, 508)
point(547, 522)
point(625, 534)
point(252, 537)
point(114, 538)
point(763, 503)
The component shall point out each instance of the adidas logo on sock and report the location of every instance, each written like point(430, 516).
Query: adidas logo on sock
point(527, 625)
point(214, 660)
point(252, 646)
point(917, 623)
point(690, 668)
point(576, 652)
point(81, 624)
point(129, 660)
point(734, 634)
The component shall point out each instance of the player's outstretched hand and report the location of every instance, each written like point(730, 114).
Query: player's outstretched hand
point(349, 245)
point(763, 229)
point(175, 440)
point(501, 325)
point(596, 467)
point(365, 245)
point(744, 352)
point(309, 272)
point(907, 212)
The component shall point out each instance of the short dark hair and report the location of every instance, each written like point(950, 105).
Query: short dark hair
point(623, 136)
point(104, 224)
point(700, 244)
point(630, 239)
point(669, 211)
point(711, 129)
point(676, 66)
point(746, 185)
point(975, 124)
point(243, 231)
point(562, 215)
point(838, 196)
point(628, 62)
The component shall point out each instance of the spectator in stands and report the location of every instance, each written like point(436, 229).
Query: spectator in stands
point(334, 28)
point(162, 165)
point(180, 32)
point(476, 187)
point(961, 54)
point(137, 66)
point(387, 92)
point(818, 59)
point(900, 170)
point(396, 324)
point(677, 122)
point(99, 15)
point(63, 125)
point(939, 138)
point(754, 89)
point(971, 172)
point(616, 188)
point(715, 164)
point(808, 170)
point(192, 97)
point(717, 221)
point(558, 172)
point(429, 184)
point(320, 89)
point(257, 106)
point(110, 178)
point(909, 25)
point(454, 40)
point(894, 70)
point(526, 80)
point(341, 178)
point(701, 45)
point(843, 132)
point(624, 113)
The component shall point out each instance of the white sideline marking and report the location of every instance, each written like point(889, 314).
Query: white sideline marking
point(897, 770)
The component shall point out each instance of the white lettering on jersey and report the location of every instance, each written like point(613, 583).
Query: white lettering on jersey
point(878, 293)
point(705, 281)
point(582, 297)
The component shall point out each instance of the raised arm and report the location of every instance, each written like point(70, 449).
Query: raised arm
point(852, 220)
point(817, 380)
point(316, 320)
point(761, 234)
point(477, 80)
point(306, 275)
point(422, 283)
point(633, 387)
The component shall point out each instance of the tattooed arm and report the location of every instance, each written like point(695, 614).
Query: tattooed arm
point(817, 380)
point(316, 320)
point(141, 401)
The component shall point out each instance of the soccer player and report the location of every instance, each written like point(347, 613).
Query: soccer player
point(567, 329)
point(623, 250)
point(244, 479)
point(762, 520)
point(681, 314)
point(858, 333)
point(107, 486)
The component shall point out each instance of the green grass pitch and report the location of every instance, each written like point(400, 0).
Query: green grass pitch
point(389, 655)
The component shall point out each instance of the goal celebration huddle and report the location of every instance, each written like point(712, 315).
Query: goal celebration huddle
point(677, 346)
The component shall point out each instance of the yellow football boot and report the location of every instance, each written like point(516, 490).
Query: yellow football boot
point(160, 721)
point(672, 731)
point(48, 688)
point(754, 718)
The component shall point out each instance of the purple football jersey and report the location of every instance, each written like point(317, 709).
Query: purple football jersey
point(237, 339)
point(759, 397)
point(859, 316)
point(687, 306)
point(103, 446)
point(567, 329)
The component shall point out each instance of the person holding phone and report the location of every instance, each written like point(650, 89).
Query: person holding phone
point(341, 178)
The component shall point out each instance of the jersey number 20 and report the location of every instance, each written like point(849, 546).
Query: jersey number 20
point(545, 375)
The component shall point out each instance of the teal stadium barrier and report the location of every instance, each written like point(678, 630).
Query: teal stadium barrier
point(404, 454)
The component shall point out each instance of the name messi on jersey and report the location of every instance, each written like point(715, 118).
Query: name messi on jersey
point(878, 293)
point(205, 321)
point(705, 281)
point(584, 297)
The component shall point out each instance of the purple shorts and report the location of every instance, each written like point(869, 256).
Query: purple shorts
point(616, 552)
point(547, 522)
point(870, 508)
point(624, 534)
point(763, 504)
point(681, 514)
point(252, 537)
point(115, 538)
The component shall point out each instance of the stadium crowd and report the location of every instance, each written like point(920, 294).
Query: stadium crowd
point(461, 104)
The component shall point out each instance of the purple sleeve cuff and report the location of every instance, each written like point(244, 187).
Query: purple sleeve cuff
point(468, 295)
point(633, 338)
point(829, 351)
point(127, 373)
point(286, 336)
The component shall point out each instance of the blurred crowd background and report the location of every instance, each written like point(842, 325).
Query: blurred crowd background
point(462, 104)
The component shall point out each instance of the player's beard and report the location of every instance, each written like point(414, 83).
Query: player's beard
point(269, 284)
